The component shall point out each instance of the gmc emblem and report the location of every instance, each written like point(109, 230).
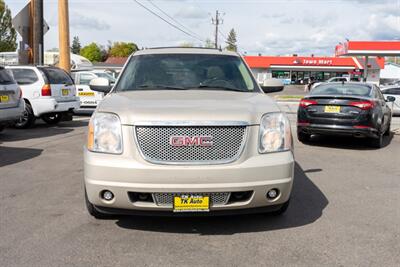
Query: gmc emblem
point(180, 141)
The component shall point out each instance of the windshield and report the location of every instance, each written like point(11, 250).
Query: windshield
point(342, 89)
point(186, 71)
point(5, 77)
point(57, 76)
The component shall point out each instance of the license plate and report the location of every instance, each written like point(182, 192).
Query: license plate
point(86, 94)
point(191, 203)
point(65, 92)
point(332, 109)
point(4, 98)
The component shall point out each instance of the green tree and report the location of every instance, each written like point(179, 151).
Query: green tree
point(76, 45)
point(122, 49)
point(8, 35)
point(231, 41)
point(92, 52)
point(186, 44)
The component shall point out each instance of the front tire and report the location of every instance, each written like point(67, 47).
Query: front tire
point(93, 211)
point(52, 118)
point(27, 119)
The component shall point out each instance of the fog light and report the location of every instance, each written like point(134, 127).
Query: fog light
point(107, 195)
point(272, 194)
point(144, 196)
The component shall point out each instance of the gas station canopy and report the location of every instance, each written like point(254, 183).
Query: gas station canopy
point(368, 48)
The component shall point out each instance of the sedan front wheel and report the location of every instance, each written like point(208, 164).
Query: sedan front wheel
point(377, 142)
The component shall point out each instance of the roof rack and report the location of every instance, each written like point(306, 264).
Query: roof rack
point(194, 47)
point(33, 65)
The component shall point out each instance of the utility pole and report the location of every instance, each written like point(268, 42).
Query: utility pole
point(63, 33)
point(216, 21)
point(37, 31)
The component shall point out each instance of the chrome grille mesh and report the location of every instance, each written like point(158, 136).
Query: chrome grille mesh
point(166, 199)
point(154, 143)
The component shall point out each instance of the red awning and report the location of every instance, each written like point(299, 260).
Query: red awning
point(368, 48)
point(310, 63)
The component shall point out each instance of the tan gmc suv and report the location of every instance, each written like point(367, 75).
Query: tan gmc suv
point(187, 131)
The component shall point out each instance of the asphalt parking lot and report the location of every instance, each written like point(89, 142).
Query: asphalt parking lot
point(345, 211)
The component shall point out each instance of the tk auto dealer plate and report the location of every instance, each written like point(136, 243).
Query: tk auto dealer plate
point(86, 94)
point(191, 203)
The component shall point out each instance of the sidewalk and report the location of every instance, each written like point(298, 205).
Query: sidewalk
point(290, 107)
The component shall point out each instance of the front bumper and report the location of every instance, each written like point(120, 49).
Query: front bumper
point(10, 115)
point(128, 173)
point(49, 105)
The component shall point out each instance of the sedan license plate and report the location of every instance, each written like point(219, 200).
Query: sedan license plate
point(86, 94)
point(65, 92)
point(191, 203)
point(4, 98)
point(332, 109)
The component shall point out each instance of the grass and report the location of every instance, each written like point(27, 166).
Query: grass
point(289, 97)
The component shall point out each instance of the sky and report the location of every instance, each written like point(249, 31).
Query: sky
point(268, 27)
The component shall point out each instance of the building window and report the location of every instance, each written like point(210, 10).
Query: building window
point(281, 74)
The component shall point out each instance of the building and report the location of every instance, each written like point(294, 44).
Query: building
point(298, 70)
point(50, 58)
point(360, 59)
point(8, 58)
point(367, 49)
point(113, 65)
point(390, 73)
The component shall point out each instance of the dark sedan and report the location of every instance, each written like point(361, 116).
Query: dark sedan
point(345, 108)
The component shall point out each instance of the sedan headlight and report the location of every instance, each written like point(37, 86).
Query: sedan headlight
point(104, 134)
point(275, 134)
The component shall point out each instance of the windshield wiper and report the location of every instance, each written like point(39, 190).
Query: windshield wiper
point(160, 86)
point(225, 88)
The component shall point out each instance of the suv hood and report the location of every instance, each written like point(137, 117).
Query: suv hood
point(134, 107)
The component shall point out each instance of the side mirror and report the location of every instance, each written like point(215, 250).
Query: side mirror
point(390, 98)
point(272, 85)
point(100, 85)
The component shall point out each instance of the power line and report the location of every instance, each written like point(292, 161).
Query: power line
point(177, 22)
point(173, 25)
point(223, 35)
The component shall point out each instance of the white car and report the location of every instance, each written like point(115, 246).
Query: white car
point(89, 99)
point(11, 105)
point(336, 79)
point(395, 92)
point(49, 94)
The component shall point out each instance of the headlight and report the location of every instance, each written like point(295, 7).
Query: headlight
point(275, 134)
point(104, 134)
